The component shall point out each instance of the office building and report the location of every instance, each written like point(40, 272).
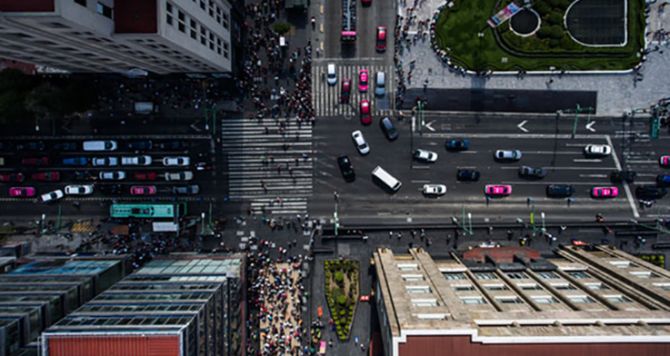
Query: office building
point(178, 305)
point(159, 36)
point(512, 301)
point(43, 290)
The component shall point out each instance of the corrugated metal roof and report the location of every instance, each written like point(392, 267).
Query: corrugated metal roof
point(112, 345)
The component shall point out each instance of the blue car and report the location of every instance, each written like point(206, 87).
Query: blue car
point(458, 144)
point(75, 161)
point(663, 180)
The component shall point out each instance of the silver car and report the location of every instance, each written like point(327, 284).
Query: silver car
point(507, 155)
point(112, 175)
point(434, 189)
point(105, 161)
point(177, 176)
point(425, 156)
point(136, 161)
point(359, 141)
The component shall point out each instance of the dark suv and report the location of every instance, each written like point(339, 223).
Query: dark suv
point(346, 168)
point(467, 175)
point(650, 192)
point(389, 129)
point(560, 190)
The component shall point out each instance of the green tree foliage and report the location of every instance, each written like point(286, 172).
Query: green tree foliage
point(281, 27)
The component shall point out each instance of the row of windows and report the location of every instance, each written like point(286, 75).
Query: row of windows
point(197, 31)
point(100, 8)
point(215, 12)
point(515, 275)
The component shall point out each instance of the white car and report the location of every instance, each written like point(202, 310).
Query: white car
point(100, 145)
point(176, 161)
point(360, 143)
point(105, 161)
point(186, 175)
point(79, 189)
point(507, 155)
point(136, 161)
point(597, 150)
point(425, 156)
point(331, 74)
point(52, 196)
point(112, 175)
point(434, 189)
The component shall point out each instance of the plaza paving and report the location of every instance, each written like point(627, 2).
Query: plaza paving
point(617, 92)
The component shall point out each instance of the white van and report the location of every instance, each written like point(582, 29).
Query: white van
point(380, 83)
point(100, 145)
point(385, 178)
point(332, 75)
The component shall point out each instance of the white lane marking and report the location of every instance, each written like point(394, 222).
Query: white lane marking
point(593, 176)
point(570, 144)
point(473, 152)
point(474, 167)
point(429, 127)
point(566, 168)
point(520, 126)
point(594, 160)
point(510, 135)
point(420, 181)
point(625, 184)
point(647, 174)
point(420, 167)
point(645, 161)
point(589, 126)
point(553, 152)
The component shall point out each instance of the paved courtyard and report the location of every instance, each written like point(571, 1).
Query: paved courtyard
point(616, 92)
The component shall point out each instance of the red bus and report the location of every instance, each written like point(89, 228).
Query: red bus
point(348, 33)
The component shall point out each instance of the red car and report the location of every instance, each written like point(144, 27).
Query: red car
point(22, 192)
point(366, 117)
point(498, 190)
point(381, 39)
point(366, 2)
point(604, 192)
point(12, 177)
point(346, 91)
point(143, 190)
point(35, 161)
point(664, 161)
point(145, 175)
point(363, 77)
point(46, 176)
point(364, 298)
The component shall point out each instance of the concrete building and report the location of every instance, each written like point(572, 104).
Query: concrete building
point(179, 305)
point(41, 291)
point(159, 36)
point(513, 302)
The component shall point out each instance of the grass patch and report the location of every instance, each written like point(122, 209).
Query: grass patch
point(458, 29)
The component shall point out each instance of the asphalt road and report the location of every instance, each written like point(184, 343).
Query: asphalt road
point(545, 142)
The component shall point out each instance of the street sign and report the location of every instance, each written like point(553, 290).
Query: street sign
point(654, 127)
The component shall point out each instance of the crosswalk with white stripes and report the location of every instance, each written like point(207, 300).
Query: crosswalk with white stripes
point(272, 170)
point(326, 98)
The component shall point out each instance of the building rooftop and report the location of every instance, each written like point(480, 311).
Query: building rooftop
point(515, 295)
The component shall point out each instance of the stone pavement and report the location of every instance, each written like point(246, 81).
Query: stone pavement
point(616, 92)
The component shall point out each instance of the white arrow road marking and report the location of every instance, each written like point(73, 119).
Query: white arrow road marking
point(429, 127)
point(520, 126)
point(589, 126)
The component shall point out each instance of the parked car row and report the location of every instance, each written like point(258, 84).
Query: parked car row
point(88, 189)
point(92, 146)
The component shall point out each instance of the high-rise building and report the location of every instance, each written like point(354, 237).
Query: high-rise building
point(178, 305)
point(511, 301)
point(43, 290)
point(160, 36)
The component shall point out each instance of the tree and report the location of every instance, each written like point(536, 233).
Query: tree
point(14, 87)
point(281, 27)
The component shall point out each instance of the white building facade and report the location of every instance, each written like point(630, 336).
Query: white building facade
point(159, 36)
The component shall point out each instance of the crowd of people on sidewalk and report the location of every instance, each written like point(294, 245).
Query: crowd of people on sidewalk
point(276, 295)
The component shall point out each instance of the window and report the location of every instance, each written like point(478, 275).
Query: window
point(463, 287)
point(596, 286)
point(485, 275)
point(104, 10)
point(544, 299)
point(617, 298)
point(620, 263)
point(168, 7)
point(226, 20)
point(202, 4)
point(517, 275)
point(453, 275)
point(511, 299)
point(529, 286)
point(182, 27)
point(435, 316)
point(664, 286)
point(583, 299)
point(424, 303)
point(405, 267)
point(548, 275)
point(578, 274)
point(168, 19)
point(473, 300)
point(563, 286)
point(81, 2)
point(496, 287)
point(417, 289)
point(644, 274)
point(412, 277)
point(181, 16)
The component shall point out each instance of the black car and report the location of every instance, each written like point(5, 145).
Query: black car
point(66, 146)
point(623, 176)
point(82, 176)
point(346, 168)
point(186, 189)
point(560, 190)
point(648, 192)
point(532, 173)
point(31, 146)
point(110, 189)
point(173, 145)
point(5, 146)
point(141, 145)
point(389, 129)
point(467, 175)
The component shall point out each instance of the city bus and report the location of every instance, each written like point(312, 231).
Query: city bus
point(348, 33)
point(146, 210)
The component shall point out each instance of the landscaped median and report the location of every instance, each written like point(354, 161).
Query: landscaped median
point(341, 281)
point(463, 35)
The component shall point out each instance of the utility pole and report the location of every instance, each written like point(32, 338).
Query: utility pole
point(336, 218)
